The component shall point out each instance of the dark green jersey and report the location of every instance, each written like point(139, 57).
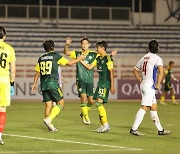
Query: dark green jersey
point(82, 73)
point(168, 73)
point(48, 67)
point(103, 66)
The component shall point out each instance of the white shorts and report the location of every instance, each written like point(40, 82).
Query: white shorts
point(4, 91)
point(148, 96)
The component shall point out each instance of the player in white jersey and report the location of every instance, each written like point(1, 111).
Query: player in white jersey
point(151, 68)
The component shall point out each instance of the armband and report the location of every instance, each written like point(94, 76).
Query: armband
point(12, 83)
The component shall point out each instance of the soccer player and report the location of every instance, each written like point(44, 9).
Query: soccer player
point(47, 70)
point(168, 75)
point(148, 66)
point(104, 64)
point(84, 77)
point(7, 77)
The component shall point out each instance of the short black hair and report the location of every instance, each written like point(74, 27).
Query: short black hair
point(2, 32)
point(171, 62)
point(102, 44)
point(48, 45)
point(153, 46)
point(85, 38)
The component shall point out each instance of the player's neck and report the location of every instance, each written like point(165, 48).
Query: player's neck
point(103, 54)
point(85, 51)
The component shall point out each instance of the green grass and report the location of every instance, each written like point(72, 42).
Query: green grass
point(26, 119)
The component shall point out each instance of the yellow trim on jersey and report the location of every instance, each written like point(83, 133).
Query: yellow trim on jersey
point(37, 68)
point(109, 63)
point(94, 62)
point(73, 55)
point(63, 61)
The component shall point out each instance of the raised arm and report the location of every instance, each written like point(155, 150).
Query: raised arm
point(66, 48)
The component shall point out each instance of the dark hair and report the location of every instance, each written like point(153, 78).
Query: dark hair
point(102, 44)
point(153, 46)
point(171, 62)
point(48, 45)
point(84, 38)
point(2, 32)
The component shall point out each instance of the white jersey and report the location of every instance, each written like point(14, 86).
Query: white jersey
point(148, 67)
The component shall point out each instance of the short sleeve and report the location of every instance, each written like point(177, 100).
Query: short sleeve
point(12, 55)
point(159, 62)
point(37, 69)
point(62, 61)
point(109, 65)
point(73, 55)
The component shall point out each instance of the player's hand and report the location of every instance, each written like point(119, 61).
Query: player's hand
point(12, 90)
point(33, 88)
point(68, 41)
point(157, 87)
point(114, 52)
point(112, 90)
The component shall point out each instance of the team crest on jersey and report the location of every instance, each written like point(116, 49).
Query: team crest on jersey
point(80, 89)
point(102, 62)
point(90, 57)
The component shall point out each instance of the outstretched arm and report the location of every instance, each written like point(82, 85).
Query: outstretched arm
point(66, 48)
point(81, 57)
point(88, 66)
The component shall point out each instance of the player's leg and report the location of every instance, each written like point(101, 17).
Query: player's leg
point(163, 96)
point(155, 119)
point(84, 109)
point(57, 96)
point(147, 97)
point(2, 122)
point(173, 98)
point(138, 119)
point(4, 102)
point(48, 106)
point(101, 96)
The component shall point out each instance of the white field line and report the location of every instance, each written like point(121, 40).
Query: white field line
point(74, 142)
point(62, 151)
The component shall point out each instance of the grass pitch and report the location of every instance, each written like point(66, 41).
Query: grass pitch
point(26, 133)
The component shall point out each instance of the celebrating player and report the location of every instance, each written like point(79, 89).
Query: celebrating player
point(47, 70)
point(148, 66)
point(7, 61)
point(84, 77)
point(104, 65)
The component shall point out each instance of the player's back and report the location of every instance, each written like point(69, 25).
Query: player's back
point(148, 66)
point(7, 55)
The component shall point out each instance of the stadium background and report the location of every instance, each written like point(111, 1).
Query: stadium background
point(126, 25)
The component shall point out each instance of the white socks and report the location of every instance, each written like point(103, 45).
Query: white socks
point(155, 119)
point(0, 135)
point(139, 117)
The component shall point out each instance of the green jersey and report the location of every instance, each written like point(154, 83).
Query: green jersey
point(168, 73)
point(48, 67)
point(103, 66)
point(82, 73)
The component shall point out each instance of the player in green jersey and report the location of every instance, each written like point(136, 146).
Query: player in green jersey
point(168, 75)
point(47, 70)
point(104, 64)
point(84, 77)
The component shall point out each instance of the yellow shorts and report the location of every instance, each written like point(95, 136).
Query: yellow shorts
point(4, 91)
